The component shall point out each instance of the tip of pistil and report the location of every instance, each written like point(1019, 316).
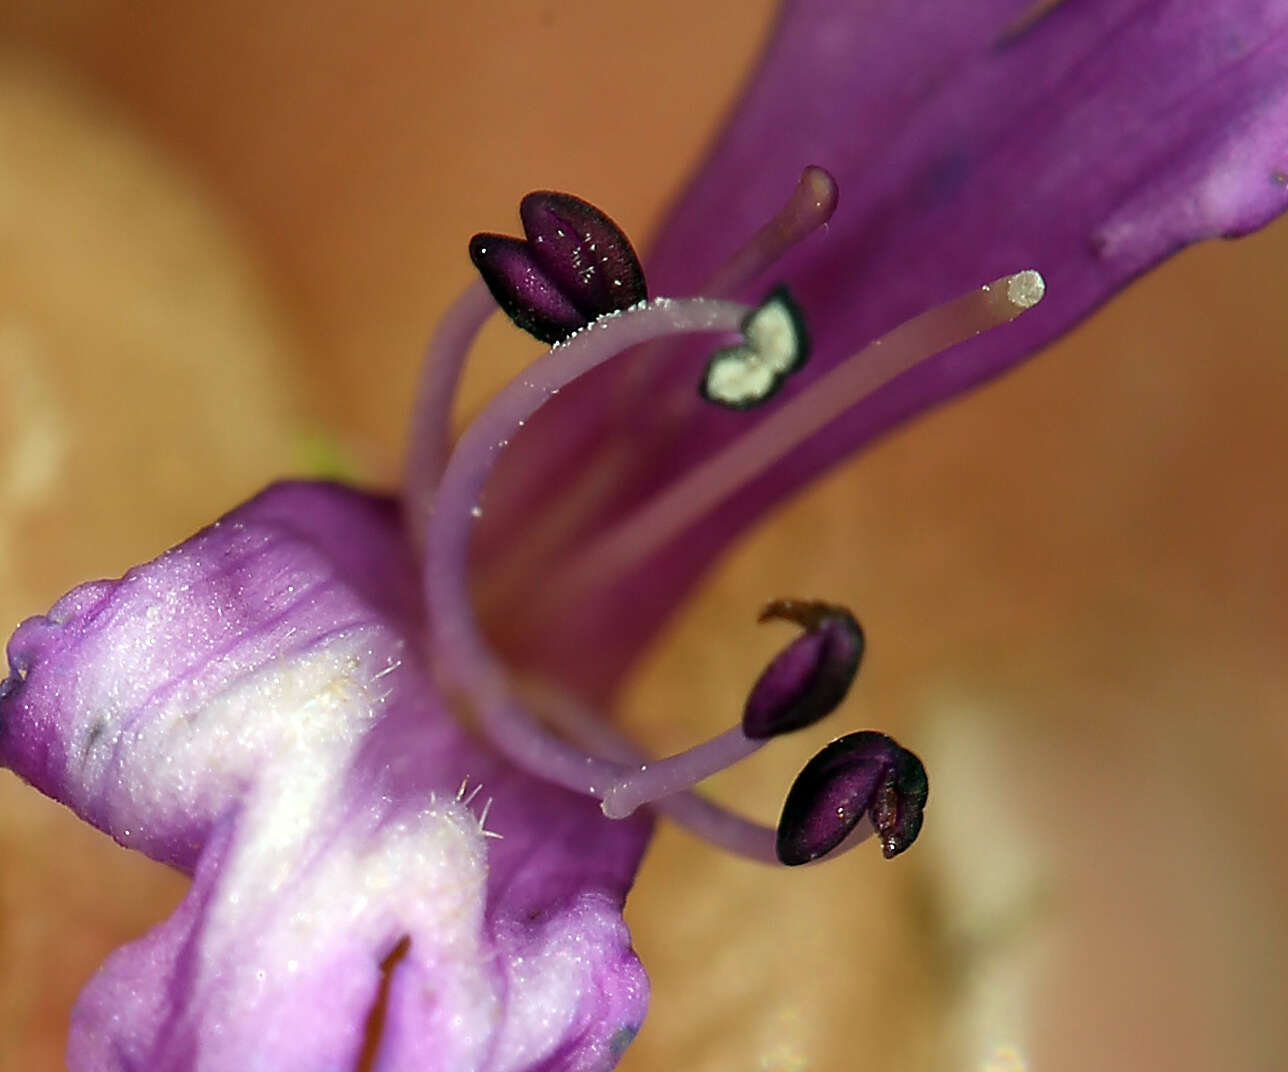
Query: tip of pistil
point(1025, 289)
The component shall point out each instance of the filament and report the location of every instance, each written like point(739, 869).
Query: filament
point(462, 654)
point(431, 425)
point(701, 817)
point(809, 208)
point(704, 487)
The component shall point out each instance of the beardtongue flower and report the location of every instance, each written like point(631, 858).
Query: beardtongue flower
point(257, 706)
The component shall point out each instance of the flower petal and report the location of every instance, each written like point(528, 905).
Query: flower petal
point(251, 707)
point(969, 142)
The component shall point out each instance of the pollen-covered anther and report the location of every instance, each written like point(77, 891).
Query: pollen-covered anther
point(860, 774)
point(775, 345)
point(809, 677)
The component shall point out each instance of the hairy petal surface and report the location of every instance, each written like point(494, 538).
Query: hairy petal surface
point(969, 141)
point(253, 708)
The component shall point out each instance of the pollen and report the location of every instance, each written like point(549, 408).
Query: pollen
point(774, 347)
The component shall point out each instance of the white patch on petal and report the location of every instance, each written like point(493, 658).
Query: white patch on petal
point(305, 909)
point(317, 886)
point(304, 712)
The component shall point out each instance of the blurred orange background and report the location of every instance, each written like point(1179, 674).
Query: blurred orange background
point(227, 231)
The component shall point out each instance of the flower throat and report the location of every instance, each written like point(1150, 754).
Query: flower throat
point(574, 282)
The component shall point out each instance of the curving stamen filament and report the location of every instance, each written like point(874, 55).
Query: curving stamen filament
point(629, 543)
point(461, 653)
point(860, 782)
point(647, 782)
point(431, 428)
point(803, 684)
point(701, 817)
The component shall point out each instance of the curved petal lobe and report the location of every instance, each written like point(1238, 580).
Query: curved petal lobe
point(252, 707)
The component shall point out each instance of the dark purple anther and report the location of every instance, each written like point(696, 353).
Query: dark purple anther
point(810, 676)
point(574, 265)
point(860, 773)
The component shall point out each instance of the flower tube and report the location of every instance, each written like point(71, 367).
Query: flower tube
point(392, 948)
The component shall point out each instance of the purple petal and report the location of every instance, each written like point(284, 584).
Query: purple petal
point(1089, 144)
point(1107, 136)
point(252, 708)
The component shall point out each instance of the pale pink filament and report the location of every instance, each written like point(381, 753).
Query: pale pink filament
point(462, 656)
point(703, 488)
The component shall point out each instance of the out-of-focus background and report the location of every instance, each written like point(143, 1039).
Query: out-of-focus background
point(225, 233)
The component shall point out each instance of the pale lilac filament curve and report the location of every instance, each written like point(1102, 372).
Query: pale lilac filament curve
point(701, 817)
point(431, 429)
point(629, 543)
point(461, 654)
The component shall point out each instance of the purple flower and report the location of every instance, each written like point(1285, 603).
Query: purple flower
point(271, 707)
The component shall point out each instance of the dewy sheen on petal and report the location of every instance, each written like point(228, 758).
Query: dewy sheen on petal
point(253, 707)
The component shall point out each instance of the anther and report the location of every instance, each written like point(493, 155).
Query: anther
point(861, 774)
point(802, 684)
point(573, 265)
point(775, 345)
point(808, 678)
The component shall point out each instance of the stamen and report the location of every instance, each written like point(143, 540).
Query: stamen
point(810, 677)
point(662, 778)
point(717, 825)
point(585, 491)
point(575, 264)
point(463, 657)
point(861, 774)
point(573, 259)
point(691, 497)
point(701, 817)
point(809, 208)
point(804, 682)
